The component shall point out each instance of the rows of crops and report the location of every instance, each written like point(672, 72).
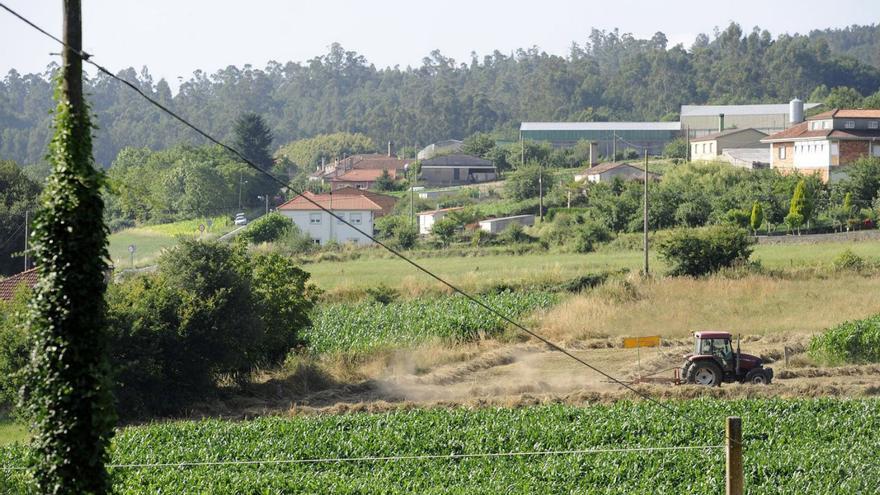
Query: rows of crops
point(791, 446)
point(370, 325)
point(850, 342)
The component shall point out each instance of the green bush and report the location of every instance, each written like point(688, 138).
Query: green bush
point(13, 346)
point(267, 228)
point(523, 183)
point(848, 260)
point(705, 250)
point(851, 342)
point(588, 235)
point(211, 310)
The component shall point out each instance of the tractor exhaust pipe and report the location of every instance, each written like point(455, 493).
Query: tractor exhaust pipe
point(737, 355)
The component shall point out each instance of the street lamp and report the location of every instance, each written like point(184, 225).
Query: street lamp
point(240, 182)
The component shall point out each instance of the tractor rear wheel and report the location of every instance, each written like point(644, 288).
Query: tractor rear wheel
point(705, 373)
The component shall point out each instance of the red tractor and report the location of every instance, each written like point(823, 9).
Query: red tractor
point(713, 361)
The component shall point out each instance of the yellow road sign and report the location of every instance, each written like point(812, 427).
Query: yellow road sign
point(650, 341)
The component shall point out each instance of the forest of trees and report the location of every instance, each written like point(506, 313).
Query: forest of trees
point(608, 76)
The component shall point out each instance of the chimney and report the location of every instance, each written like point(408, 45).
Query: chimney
point(795, 111)
point(389, 148)
point(720, 122)
point(594, 153)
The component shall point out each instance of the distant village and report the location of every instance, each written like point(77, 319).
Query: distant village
point(794, 137)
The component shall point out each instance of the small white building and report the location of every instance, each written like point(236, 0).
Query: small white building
point(712, 146)
point(427, 219)
point(360, 208)
point(606, 172)
point(496, 225)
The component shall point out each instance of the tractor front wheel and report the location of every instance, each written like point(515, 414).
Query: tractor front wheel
point(705, 373)
point(757, 377)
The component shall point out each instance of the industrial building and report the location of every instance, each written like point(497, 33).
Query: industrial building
point(700, 120)
point(610, 136)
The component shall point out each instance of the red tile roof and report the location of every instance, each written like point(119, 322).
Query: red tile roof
point(728, 132)
point(343, 199)
point(847, 113)
point(9, 285)
point(363, 175)
point(801, 131)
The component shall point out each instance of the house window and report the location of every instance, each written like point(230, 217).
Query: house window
point(355, 218)
point(814, 126)
point(826, 124)
point(873, 124)
point(456, 174)
point(782, 152)
point(876, 149)
point(711, 147)
point(341, 217)
point(704, 147)
point(317, 241)
point(850, 124)
point(314, 218)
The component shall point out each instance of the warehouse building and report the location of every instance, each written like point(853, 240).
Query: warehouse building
point(610, 136)
point(700, 120)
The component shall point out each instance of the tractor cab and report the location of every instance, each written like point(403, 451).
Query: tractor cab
point(714, 361)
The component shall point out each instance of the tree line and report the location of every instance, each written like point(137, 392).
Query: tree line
point(608, 76)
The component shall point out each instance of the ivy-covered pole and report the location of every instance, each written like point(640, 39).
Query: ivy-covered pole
point(67, 394)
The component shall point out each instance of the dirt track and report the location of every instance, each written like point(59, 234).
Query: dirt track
point(522, 374)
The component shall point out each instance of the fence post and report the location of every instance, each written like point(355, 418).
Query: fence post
point(734, 456)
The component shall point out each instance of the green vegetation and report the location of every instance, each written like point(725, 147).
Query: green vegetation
point(851, 342)
point(267, 228)
point(822, 446)
point(18, 195)
point(697, 252)
point(373, 325)
point(150, 240)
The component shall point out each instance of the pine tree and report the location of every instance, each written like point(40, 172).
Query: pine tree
point(253, 139)
point(757, 218)
point(796, 216)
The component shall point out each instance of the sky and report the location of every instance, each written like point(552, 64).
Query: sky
point(175, 38)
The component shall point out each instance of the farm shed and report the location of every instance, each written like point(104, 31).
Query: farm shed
point(651, 135)
point(496, 225)
point(700, 120)
point(456, 169)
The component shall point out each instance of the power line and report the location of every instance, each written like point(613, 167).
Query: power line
point(87, 58)
point(392, 458)
point(11, 237)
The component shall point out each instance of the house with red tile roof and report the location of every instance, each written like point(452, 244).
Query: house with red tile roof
point(358, 207)
point(9, 285)
point(360, 178)
point(376, 161)
point(826, 143)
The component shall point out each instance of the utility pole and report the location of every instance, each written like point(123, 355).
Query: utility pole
point(645, 212)
point(25, 239)
point(240, 182)
point(541, 192)
point(613, 146)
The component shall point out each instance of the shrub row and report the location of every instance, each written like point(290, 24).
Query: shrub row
point(851, 342)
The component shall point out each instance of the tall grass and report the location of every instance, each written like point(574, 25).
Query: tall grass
point(850, 342)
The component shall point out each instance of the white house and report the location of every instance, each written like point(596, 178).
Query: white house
point(496, 225)
point(427, 219)
point(360, 208)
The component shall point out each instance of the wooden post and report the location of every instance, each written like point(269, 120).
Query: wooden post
point(734, 456)
point(645, 213)
point(785, 354)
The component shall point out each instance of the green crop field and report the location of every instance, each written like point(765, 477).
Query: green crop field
point(791, 446)
point(369, 325)
point(481, 271)
point(149, 241)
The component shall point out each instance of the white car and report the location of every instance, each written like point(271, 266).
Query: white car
point(240, 219)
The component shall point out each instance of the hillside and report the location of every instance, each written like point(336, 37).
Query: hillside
point(606, 76)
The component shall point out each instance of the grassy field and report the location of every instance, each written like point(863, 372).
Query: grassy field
point(752, 305)
point(11, 432)
point(791, 446)
point(483, 271)
point(149, 241)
